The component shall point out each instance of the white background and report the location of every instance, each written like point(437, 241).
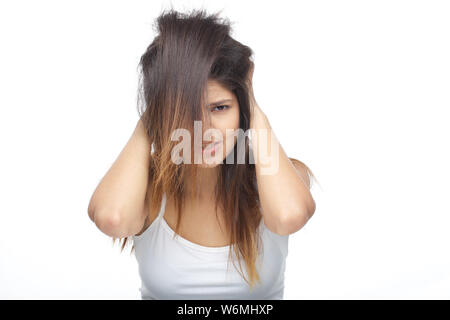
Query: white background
point(358, 90)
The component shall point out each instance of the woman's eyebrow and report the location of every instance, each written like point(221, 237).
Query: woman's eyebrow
point(220, 102)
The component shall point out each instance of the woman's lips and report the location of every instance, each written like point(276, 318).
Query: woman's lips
point(212, 147)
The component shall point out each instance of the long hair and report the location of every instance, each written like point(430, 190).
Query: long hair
point(189, 50)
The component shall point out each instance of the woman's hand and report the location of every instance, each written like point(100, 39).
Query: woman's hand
point(256, 114)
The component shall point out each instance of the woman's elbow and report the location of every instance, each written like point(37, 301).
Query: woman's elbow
point(294, 221)
point(111, 223)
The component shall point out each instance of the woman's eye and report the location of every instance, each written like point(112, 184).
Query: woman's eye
point(220, 108)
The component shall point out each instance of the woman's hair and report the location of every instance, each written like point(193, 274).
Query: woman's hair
point(190, 49)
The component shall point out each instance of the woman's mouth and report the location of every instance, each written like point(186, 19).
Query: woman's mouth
point(211, 148)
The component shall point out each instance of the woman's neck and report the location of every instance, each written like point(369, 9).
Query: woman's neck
point(205, 183)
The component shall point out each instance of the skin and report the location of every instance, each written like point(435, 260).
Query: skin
point(118, 205)
point(222, 117)
point(200, 208)
point(285, 198)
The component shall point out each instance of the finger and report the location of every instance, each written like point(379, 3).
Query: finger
point(250, 71)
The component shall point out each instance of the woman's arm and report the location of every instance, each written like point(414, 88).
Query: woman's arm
point(117, 204)
point(284, 195)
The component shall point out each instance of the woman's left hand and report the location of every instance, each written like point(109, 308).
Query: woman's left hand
point(256, 114)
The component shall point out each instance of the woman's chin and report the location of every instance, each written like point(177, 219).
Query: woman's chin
point(211, 162)
point(209, 165)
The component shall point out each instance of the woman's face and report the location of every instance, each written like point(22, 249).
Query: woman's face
point(223, 110)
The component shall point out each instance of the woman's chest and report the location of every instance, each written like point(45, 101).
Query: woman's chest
point(199, 224)
point(173, 269)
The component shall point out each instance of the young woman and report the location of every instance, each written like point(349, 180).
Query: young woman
point(189, 219)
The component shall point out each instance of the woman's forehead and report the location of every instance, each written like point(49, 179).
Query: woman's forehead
point(217, 93)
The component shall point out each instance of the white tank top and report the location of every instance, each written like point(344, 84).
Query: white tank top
point(178, 269)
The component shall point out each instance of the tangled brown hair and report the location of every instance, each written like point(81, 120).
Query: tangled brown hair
point(190, 49)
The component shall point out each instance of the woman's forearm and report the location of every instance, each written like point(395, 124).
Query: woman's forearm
point(285, 200)
point(117, 203)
